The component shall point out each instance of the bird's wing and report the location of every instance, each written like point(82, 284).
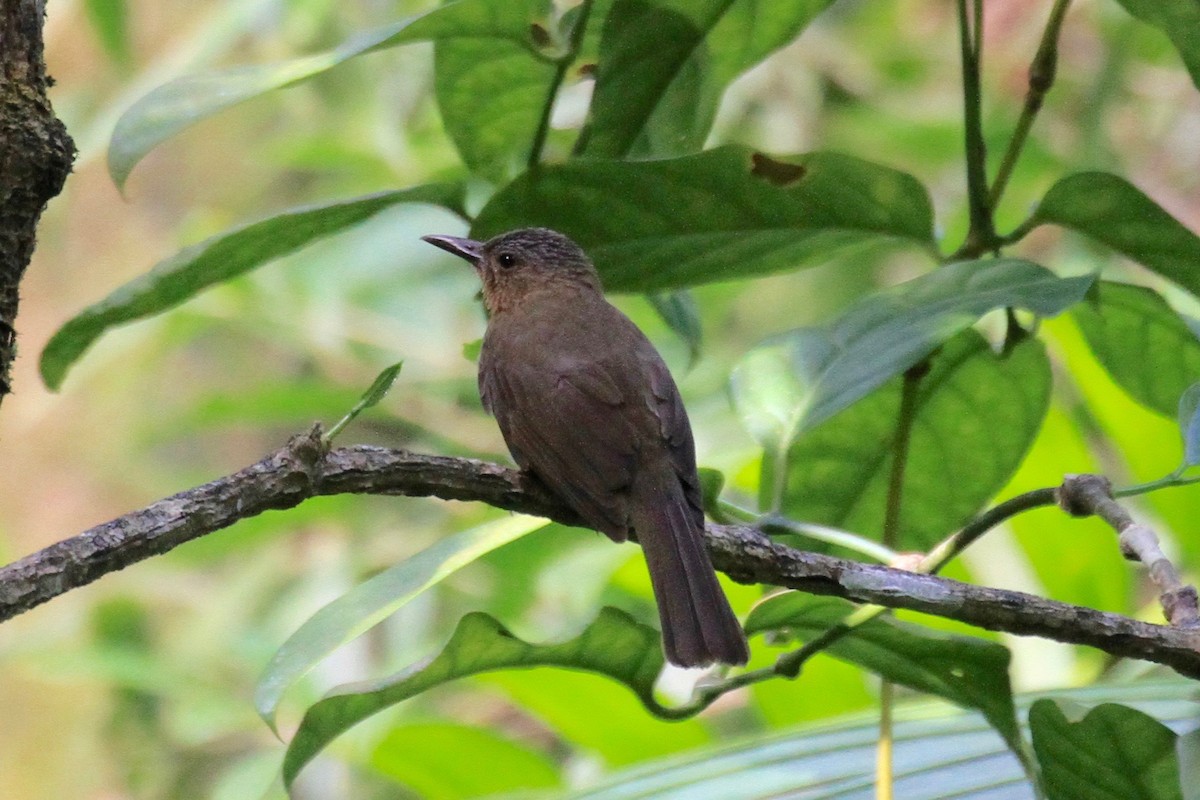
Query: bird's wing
point(674, 428)
point(572, 427)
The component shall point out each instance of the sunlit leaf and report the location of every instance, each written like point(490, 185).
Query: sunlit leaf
point(1113, 752)
point(722, 214)
point(372, 601)
point(1114, 212)
point(614, 645)
point(939, 753)
point(1147, 348)
point(797, 380)
point(177, 105)
point(183, 102)
point(969, 672)
point(976, 414)
point(428, 758)
point(1179, 20)
point(662, 64)
point(221, 258)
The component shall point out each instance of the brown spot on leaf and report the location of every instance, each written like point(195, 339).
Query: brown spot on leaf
point(779, 173)
point(587, 70)
point(539, 34)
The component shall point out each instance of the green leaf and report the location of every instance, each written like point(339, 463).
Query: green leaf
point(976, 416)
point(1113, 753)
point(939, 752)
point(110, 21)
point(679, 310)
point(428, 758)
point(722, 214)
point(1189, 424)
point(221, 258)
point(492, 86)
point(1146, 347)
point(177, 105)
point(662, 64)
point(1115, 213)
point(374, 600)
point(614, 645)
point(183, 102)
point(969, 672)
point(1179, 20)
point(797, 380)
point(378, 389)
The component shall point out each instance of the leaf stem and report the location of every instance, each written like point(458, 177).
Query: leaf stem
point(562, 65)
point(981, 232)
point(1041, 78)
point(904, 424)
point(951, 547)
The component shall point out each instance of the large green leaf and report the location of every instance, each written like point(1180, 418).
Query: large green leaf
point(662, 64)
point(171, 108)
point(1179, 20)
point(722, 214)
point(1114, 212)
point(183, 102)
point(939, 753)
point(221, 258)
point(374, 600)
point(797, 380)
point(976, 416)
point(614, 645)
point(1113, 753)
point(492, 86)
point(969, 672)
point(1147, 348)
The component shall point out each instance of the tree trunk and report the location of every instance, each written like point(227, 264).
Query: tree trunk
point(36, 154)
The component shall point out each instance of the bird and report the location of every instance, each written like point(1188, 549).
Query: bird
point(587, 405)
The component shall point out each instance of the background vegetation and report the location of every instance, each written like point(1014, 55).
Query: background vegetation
point(142, 685)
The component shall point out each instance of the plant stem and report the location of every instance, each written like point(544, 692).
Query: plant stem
point(562, 64)
point(828, 535)
point(1041, 78)
point(891, 535)
point(981, 233)
point(884, 778)
point(904, 424)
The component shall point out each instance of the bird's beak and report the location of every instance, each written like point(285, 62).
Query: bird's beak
point(467, 249)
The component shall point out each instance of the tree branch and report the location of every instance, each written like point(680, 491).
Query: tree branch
point(304, 468)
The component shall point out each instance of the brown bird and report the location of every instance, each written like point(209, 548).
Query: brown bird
point(587, 405)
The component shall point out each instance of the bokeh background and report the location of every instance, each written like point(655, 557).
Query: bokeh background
point(140, 685)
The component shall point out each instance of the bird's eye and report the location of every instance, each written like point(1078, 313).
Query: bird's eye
point(506, 260)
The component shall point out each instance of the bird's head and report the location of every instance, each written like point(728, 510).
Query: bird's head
point(518, 263)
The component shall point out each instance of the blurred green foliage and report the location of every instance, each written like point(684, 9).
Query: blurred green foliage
point(142, 684)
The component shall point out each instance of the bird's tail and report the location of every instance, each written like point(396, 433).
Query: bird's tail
point(698, 625)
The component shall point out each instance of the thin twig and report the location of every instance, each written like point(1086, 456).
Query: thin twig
point(1041, 78)
point(981, 235)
